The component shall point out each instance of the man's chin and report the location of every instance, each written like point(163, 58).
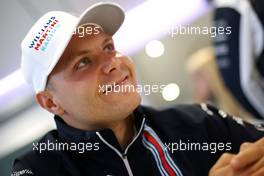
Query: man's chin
point(128, 106)
point(129, 97)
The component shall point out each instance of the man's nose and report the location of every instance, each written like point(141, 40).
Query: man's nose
point(110, 63)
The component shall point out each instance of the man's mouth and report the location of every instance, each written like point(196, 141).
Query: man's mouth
point(108, 88)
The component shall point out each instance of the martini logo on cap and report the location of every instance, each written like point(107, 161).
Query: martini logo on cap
point(45, 35)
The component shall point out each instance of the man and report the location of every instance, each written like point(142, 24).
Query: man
point(70, 73)
point(240, 55)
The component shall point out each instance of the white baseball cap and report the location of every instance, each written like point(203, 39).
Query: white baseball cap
point(49, 36)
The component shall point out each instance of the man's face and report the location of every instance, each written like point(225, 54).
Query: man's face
point(88, 64)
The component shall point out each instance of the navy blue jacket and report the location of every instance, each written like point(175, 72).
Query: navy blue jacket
point(182, 140)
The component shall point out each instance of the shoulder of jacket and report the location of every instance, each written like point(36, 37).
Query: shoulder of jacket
point(35, 159)
point(182, 113)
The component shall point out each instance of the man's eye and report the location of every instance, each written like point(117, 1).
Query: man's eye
point(82, 63)
point(109, 48)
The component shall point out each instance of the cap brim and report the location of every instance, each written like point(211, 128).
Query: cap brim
point(109, 16)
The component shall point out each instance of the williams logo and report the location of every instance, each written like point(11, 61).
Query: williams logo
point(45, 35)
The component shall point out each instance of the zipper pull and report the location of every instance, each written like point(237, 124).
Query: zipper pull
point(124, 155)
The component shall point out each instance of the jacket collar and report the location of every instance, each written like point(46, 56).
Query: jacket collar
point(72, 134)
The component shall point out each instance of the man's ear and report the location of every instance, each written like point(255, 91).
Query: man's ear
point(47, 101)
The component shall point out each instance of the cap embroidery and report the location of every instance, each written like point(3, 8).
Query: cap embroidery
point(44, 36)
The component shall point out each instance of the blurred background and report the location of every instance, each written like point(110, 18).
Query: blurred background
point(185, 63)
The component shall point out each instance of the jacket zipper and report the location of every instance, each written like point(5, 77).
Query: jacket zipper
point(124, 155)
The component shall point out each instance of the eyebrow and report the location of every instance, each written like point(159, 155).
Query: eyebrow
point(83, 52)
